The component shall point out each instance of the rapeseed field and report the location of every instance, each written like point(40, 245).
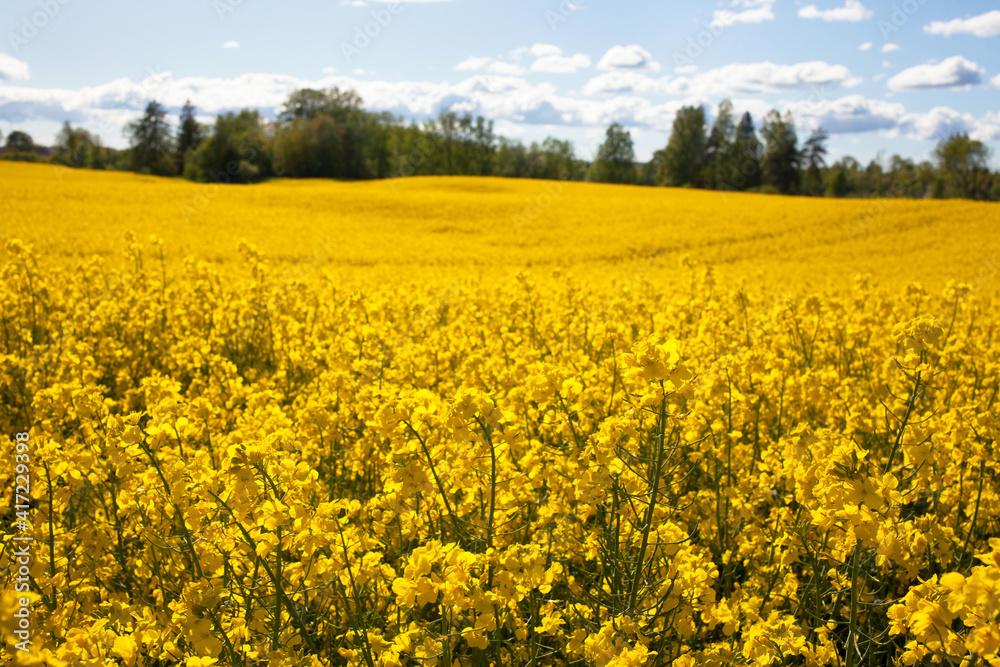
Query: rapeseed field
point(468, 421)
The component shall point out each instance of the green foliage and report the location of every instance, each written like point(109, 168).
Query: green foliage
point(683, 160)
point(813, 161)
point(19, 142)
point(781, 152)
point(719, 158)
point(963, 162)
point(190, 134)
point(328, 134)
point(615, 161)
point(237, 151)
point(151, 142)
point(745, 169)
point(78, 148)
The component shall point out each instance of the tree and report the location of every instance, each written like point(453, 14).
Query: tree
point(485, 143)
point(236, 152)
point(781, 152)
point(745, 165)
point(560, 161)
point(511, 159)
point(814, 160)
point(309, 103)
point(190, 134)
point(75, 147)
point(682, 159)
point(151, 143)
point(19, 142)
point(839, 185)
point(326, 134)
point(719, 153)
point(963, 161)
point(448, 129)
point(615, 161)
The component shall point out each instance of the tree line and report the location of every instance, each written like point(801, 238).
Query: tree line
point(327, 134)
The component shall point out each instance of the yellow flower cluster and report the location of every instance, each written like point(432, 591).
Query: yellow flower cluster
point(238, 463)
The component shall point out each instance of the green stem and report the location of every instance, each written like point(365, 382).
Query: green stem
point(653, 488)
point(852, 638)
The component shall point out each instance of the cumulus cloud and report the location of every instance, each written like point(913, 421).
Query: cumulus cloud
point(852, 10)
point(951, 72)
point(855, 114)
point(623, 82)
point(549, 58)
point(764, 77)
point(506, 69)
point(506, 99)
point(936, 124)
point(631, 57)
point(995, 81)
point(847, 115)
point(745, 11)
point(865, 46)
point(510, 100)
point(984, 25)
point(12, 69)
point(537, 50)
point(729, 80)
point(559, 64)
point(230, 45)
point(986, 132)
point(888, 47)
point(473, 63)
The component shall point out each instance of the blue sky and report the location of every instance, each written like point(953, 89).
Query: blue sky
point(895, 76)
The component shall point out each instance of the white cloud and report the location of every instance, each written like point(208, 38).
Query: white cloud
point(744, 11)
point(865, 46)
point(511, 101)
point(686, 69)
point(936, 124)
point(755, 78)
point(995, 81)
point(855, 114)
point(986, 132)
point(329, 70)
point(847, 115)
point(473, 63)
point(889, 47)
point(230, 45)
point(618, 82)
point(549, 58)
point(537, 50)
point(505, 69)
point(852, 10)
point(952, 72)
point(559, 64)
point(886, 63)
point(11, 68)
point(735, 79)
point(631, 57)
point(984, 25)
